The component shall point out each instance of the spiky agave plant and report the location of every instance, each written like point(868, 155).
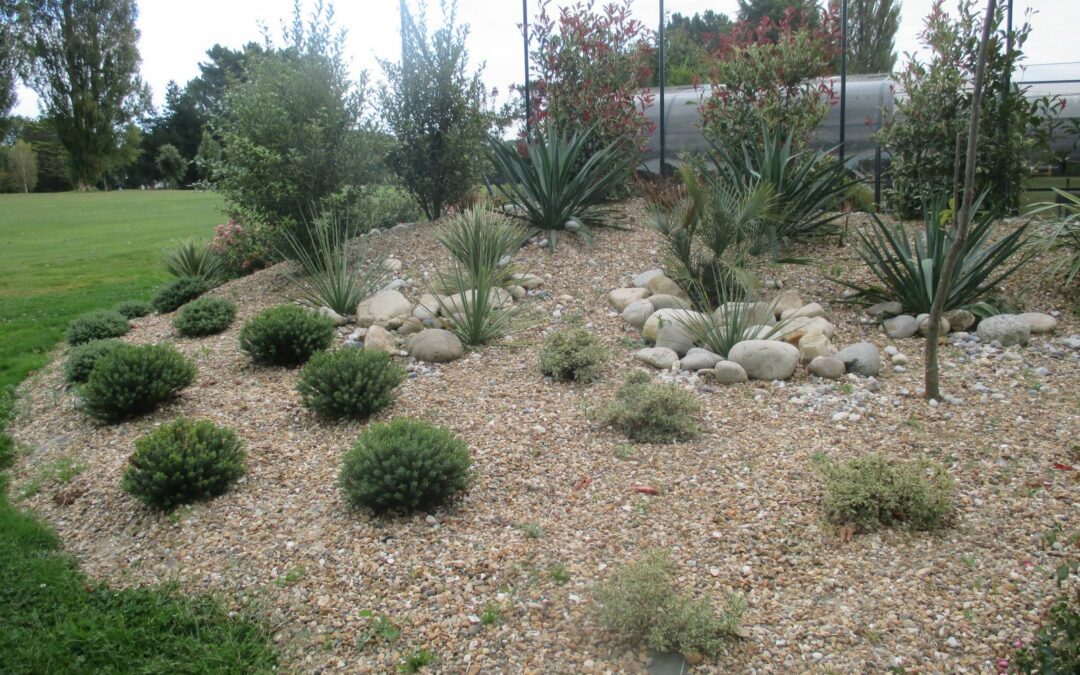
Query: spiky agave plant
point(554, 184)
point(1063, 238)
point(711, 237)
point(475, 311)
point(720, 329)
point(809, 185)
point(193, 259)
point(332, 273)
point(479, 240)
point(909, 267)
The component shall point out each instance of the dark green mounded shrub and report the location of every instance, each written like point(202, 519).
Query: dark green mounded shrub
point(287, 335)
point(182, 462)
point(349, 382)
point(651, 412)
point(98, 325)
point(133, 380)
point(405, 465)
point(179, 292)
point(134, 309)
point(82, 359)
point(870, 492)
point(204, 316)
point(576, 355)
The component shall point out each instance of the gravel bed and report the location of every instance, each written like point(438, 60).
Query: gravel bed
point(737, 508)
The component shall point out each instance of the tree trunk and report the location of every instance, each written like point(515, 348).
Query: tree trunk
point(963, 216)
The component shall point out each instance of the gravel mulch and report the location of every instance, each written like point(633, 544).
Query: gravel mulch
point(737, 508)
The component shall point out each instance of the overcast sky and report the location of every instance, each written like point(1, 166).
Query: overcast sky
point(176, 35)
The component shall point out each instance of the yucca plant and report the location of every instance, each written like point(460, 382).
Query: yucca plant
point(478, 318)
point(909, 266)
point(1063, 239)
point(192, 259)
point(809, 185)
point(711, 237)
point(332, 273)
point(553, 185)
point(478, 240)
point(720, 329)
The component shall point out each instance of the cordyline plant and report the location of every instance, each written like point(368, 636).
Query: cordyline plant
point(590, 70)
point(763, 78)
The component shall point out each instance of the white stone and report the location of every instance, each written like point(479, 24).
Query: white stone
point(809, 311)
point(1039, 323)
point(652, 325)
point(380, 339)
point(814, 345)
point(657, 357)
point(642, 280)
point(382, 307)
point(765, 359)
point(435, 346)
point(1007, 329)
point(620, 298)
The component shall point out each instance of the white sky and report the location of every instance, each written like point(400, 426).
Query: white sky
point(176, 35)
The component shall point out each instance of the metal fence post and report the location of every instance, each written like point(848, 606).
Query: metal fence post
point(843, 77)
point(525, 38)
point(663, 108)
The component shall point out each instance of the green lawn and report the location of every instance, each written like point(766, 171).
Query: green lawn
point(64, 254)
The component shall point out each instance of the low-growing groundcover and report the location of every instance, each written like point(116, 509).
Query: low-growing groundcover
point(55, 620)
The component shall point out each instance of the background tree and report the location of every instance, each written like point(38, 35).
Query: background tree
point(872, 26)
point(207, 156)
point(171, 164)
point(22, 167)
point(294, 133)
point(86, 72)
point(436, 111)
point(49, 153)
point(690, 42)
point(10, 61)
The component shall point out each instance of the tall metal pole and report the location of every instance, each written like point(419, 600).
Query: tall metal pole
point(663, 108)
point(843, 77)
point(528, 94)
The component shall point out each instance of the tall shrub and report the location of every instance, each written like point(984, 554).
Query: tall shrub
point(295, 131)
point(921, 134)
point(437, 112)
point(590, 68)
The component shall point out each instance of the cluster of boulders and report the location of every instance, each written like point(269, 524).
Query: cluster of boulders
point(1006, 329)
point(781, 335)
point(388, 321)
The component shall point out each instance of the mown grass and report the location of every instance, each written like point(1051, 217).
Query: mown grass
point(65, 254)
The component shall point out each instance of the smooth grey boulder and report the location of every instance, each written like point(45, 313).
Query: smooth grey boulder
point(724, 372)
point(620, 298)
point(829, 367)
point(883, 310)
point(380, 339)
point(1039, 322)
point(333, 316)
point(638, 312)
point(657, 357)
point(663, 286)
point(665, 301)
point(675, 337)
point(382, 307)
point(699, 359)
point(959, 319)
point(666, 316)
point(757, 313)
point(900, 327)
point(943, 327)
point(787, 301)
point(642, 280)
point(1007, 329)
point(862, 358)
point(435, 345)
point(814, 345)
point(765, 359)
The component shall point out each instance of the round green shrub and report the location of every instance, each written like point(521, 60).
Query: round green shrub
point(576, 355)
point(134, 309)
point(286, 336)
point(405, 465)
point(134, 380)
point(179, 292)
point(652, 412)
point(204, 316)
point(182, 462)
point(82, 359)
point(349, 382)
point(97, 325)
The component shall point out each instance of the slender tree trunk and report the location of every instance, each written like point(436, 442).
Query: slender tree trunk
point(963, 216)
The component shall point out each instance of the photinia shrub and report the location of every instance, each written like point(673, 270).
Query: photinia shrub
point(763, 79)
point(590, 70)
point(242, 248)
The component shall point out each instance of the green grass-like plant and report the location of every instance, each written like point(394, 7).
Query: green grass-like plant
point(651, 412)
point(479, 239)
point(133, 380)
point(204, 316)
point(720, 329)
point(405, 465)
point(286, 335)
point(179, 292)
point(97, 325)
point(1063, 239)
point(332, 272)
point(553, 185)
point(478, 318)
point(870, 492)
point(349, 383)
point(576, 355)
point(82, 359)
point(182, 462)
point(909, 266)
point(134, 309)
point(641, 602)
point(191, 258)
